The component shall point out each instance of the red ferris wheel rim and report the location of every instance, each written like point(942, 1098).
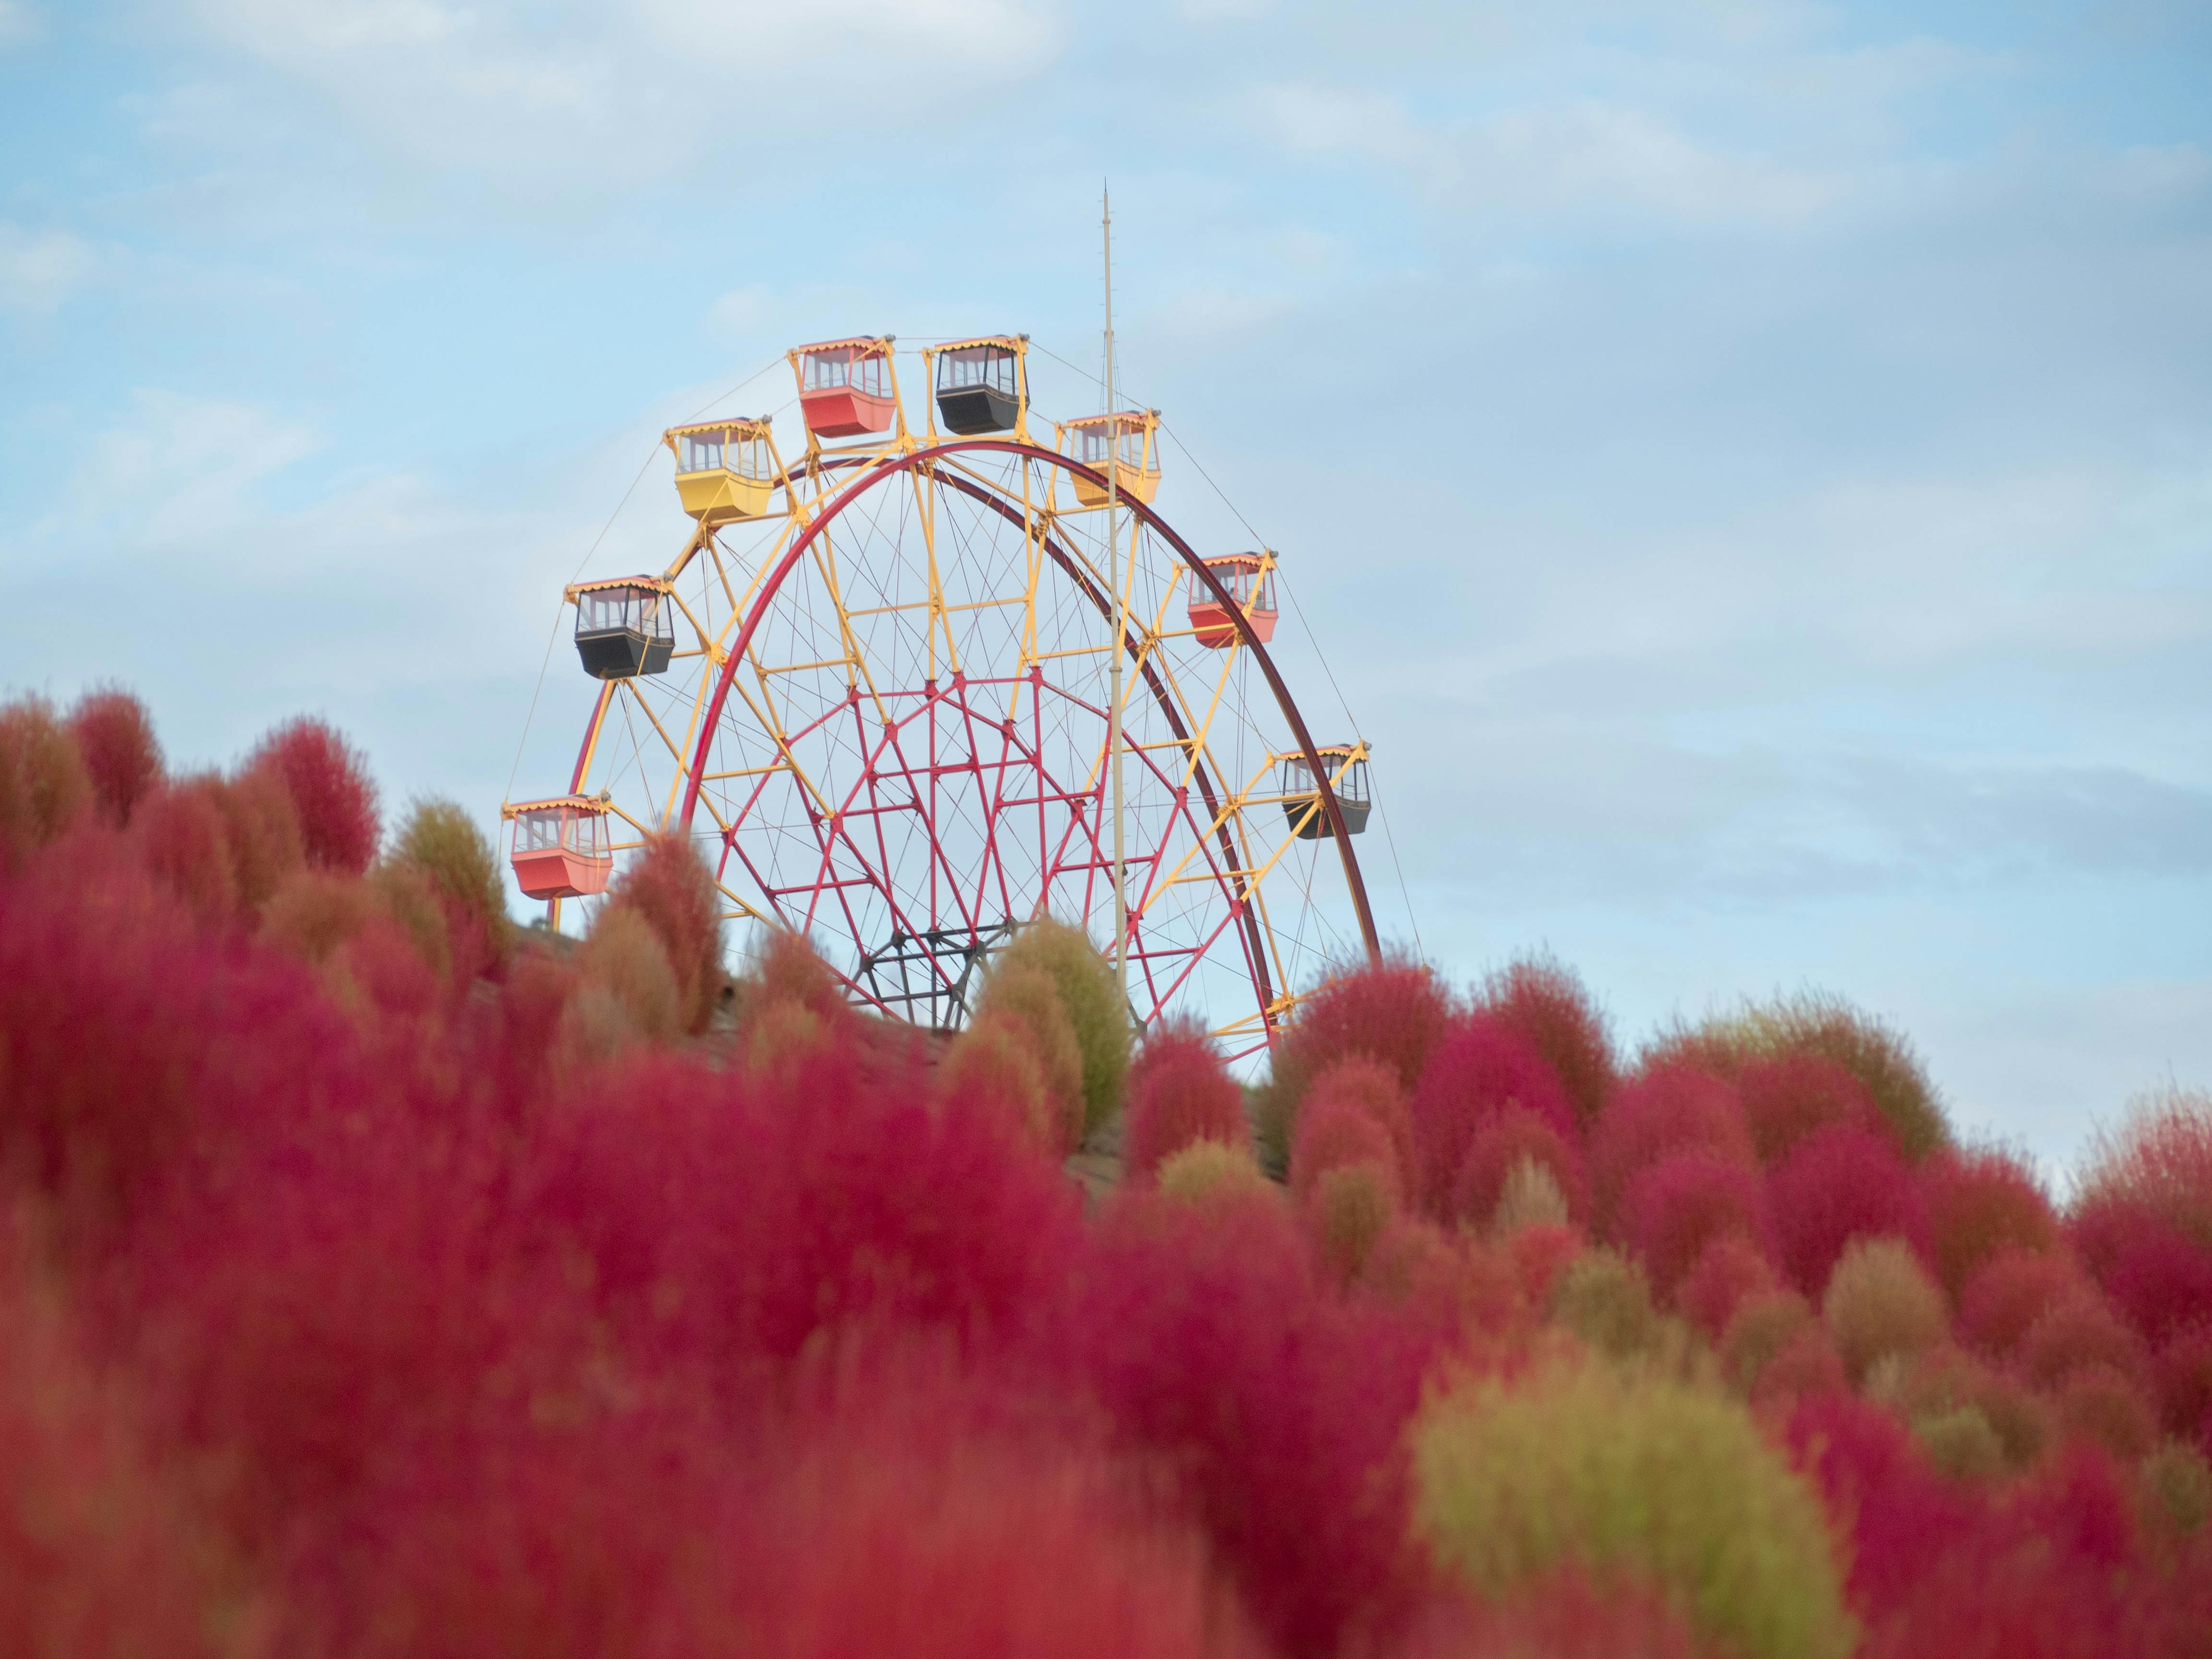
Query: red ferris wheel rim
point(877, 472)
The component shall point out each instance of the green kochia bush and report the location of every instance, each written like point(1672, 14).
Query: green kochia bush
point(1097, 1011)
point(1625, 1470)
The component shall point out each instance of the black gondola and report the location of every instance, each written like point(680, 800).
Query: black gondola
point(979, 386)
point(625, 627)
point(1346, 765)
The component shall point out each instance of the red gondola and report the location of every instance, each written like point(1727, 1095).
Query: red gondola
point(1250, 580)
point(845, 388)
point(562, 848)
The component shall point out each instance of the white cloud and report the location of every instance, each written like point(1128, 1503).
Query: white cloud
point(1585, 154)
point(18, 23)
point(39, 268)
point(496, 90)
point(172, 468)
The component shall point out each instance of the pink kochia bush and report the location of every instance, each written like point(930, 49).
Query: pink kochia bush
point(1179, 1091)
point(1483, 1068)
point(375, 1281)
point(1841, 1183)
point(328, 781)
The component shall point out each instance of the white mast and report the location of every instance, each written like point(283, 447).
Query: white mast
point(1120, 634)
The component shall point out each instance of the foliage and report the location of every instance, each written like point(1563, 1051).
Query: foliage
point(1351, 1206)
point(1677, 1207)
point(1547, 1004)
point(1841, 1183)
point(1530, 1198)
point(1604, 1298)
point(42, 785)
point(1210, 1174)
point(1097, 1013)
point(624, 960)
point(1979, 1203)
point(185, 834)
point(442, 841)
point(1616, 1470)
point(991, 1069)
point(1482, 1068)
point(667, 886)
point(1025, 997)
point(114, 738)
point(1179, 1092)
point(1668, 1107)
point(1395, 1013)
point(1881, 1303)
point(1504, 1143)
point(1787, 1096)
point(331, 793)
point(1335, 1130)
point(1728, 1271)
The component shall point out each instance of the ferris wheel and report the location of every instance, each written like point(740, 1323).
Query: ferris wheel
point(872, 686)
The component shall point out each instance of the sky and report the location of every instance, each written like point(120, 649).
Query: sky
point(1746, 465)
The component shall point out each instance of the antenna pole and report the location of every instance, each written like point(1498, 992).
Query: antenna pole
point(1120, 622)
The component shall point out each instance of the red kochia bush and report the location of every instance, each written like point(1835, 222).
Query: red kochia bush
point(1334, 1133)
point(1674, 1208)
point(882, 1542)
point(1395, 1013)
point(1549, 1005)
point(668, 885)
point(1728, 1271)
point(728, 1220)
point(1179, 1091)
point(1979, 1203)
point(1840, 1184)
point(122, 758)
point(1665, 1108)
point(1501, 1144)
point(2158, 1277)
point(328, 781)
point(1563, 1615)
point(1483, 1067)
point(183, 839)
point(1788, 1097)
point(2011, 1291)
point(1371, 1089)
point(98, 1557)
point(1208, 1341)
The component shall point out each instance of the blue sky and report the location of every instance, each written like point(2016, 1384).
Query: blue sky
point(1750, 465)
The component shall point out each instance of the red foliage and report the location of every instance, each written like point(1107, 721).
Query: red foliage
point(1501, 1143)
point(328, 781)
point(2080, 1332)
point(183, 839)
point(1787, 1098)
point(1978, 1204)
point(1208, 1341)
point(2098, 1404)
point(1665, 1108)
point(1395, 1013)
point(2051, 1573)
point(1334, 1132)
point(1840, 1184)
point(1901, 1514)
point(122, 759)
point(2157, 1276)
point(1372, 1088)
point(874, 1545)
point(1538, 1254)
point(1179, 1091)
point(1563, 1615)
point(667, 886)
point(2184, 1385)
point(1482, 1068)
point(1674, 1208)
point(1727, 1270)
point(1551, 1008)
point(2011, 1291)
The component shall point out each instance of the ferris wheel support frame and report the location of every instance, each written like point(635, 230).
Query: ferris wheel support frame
point(907, 461)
